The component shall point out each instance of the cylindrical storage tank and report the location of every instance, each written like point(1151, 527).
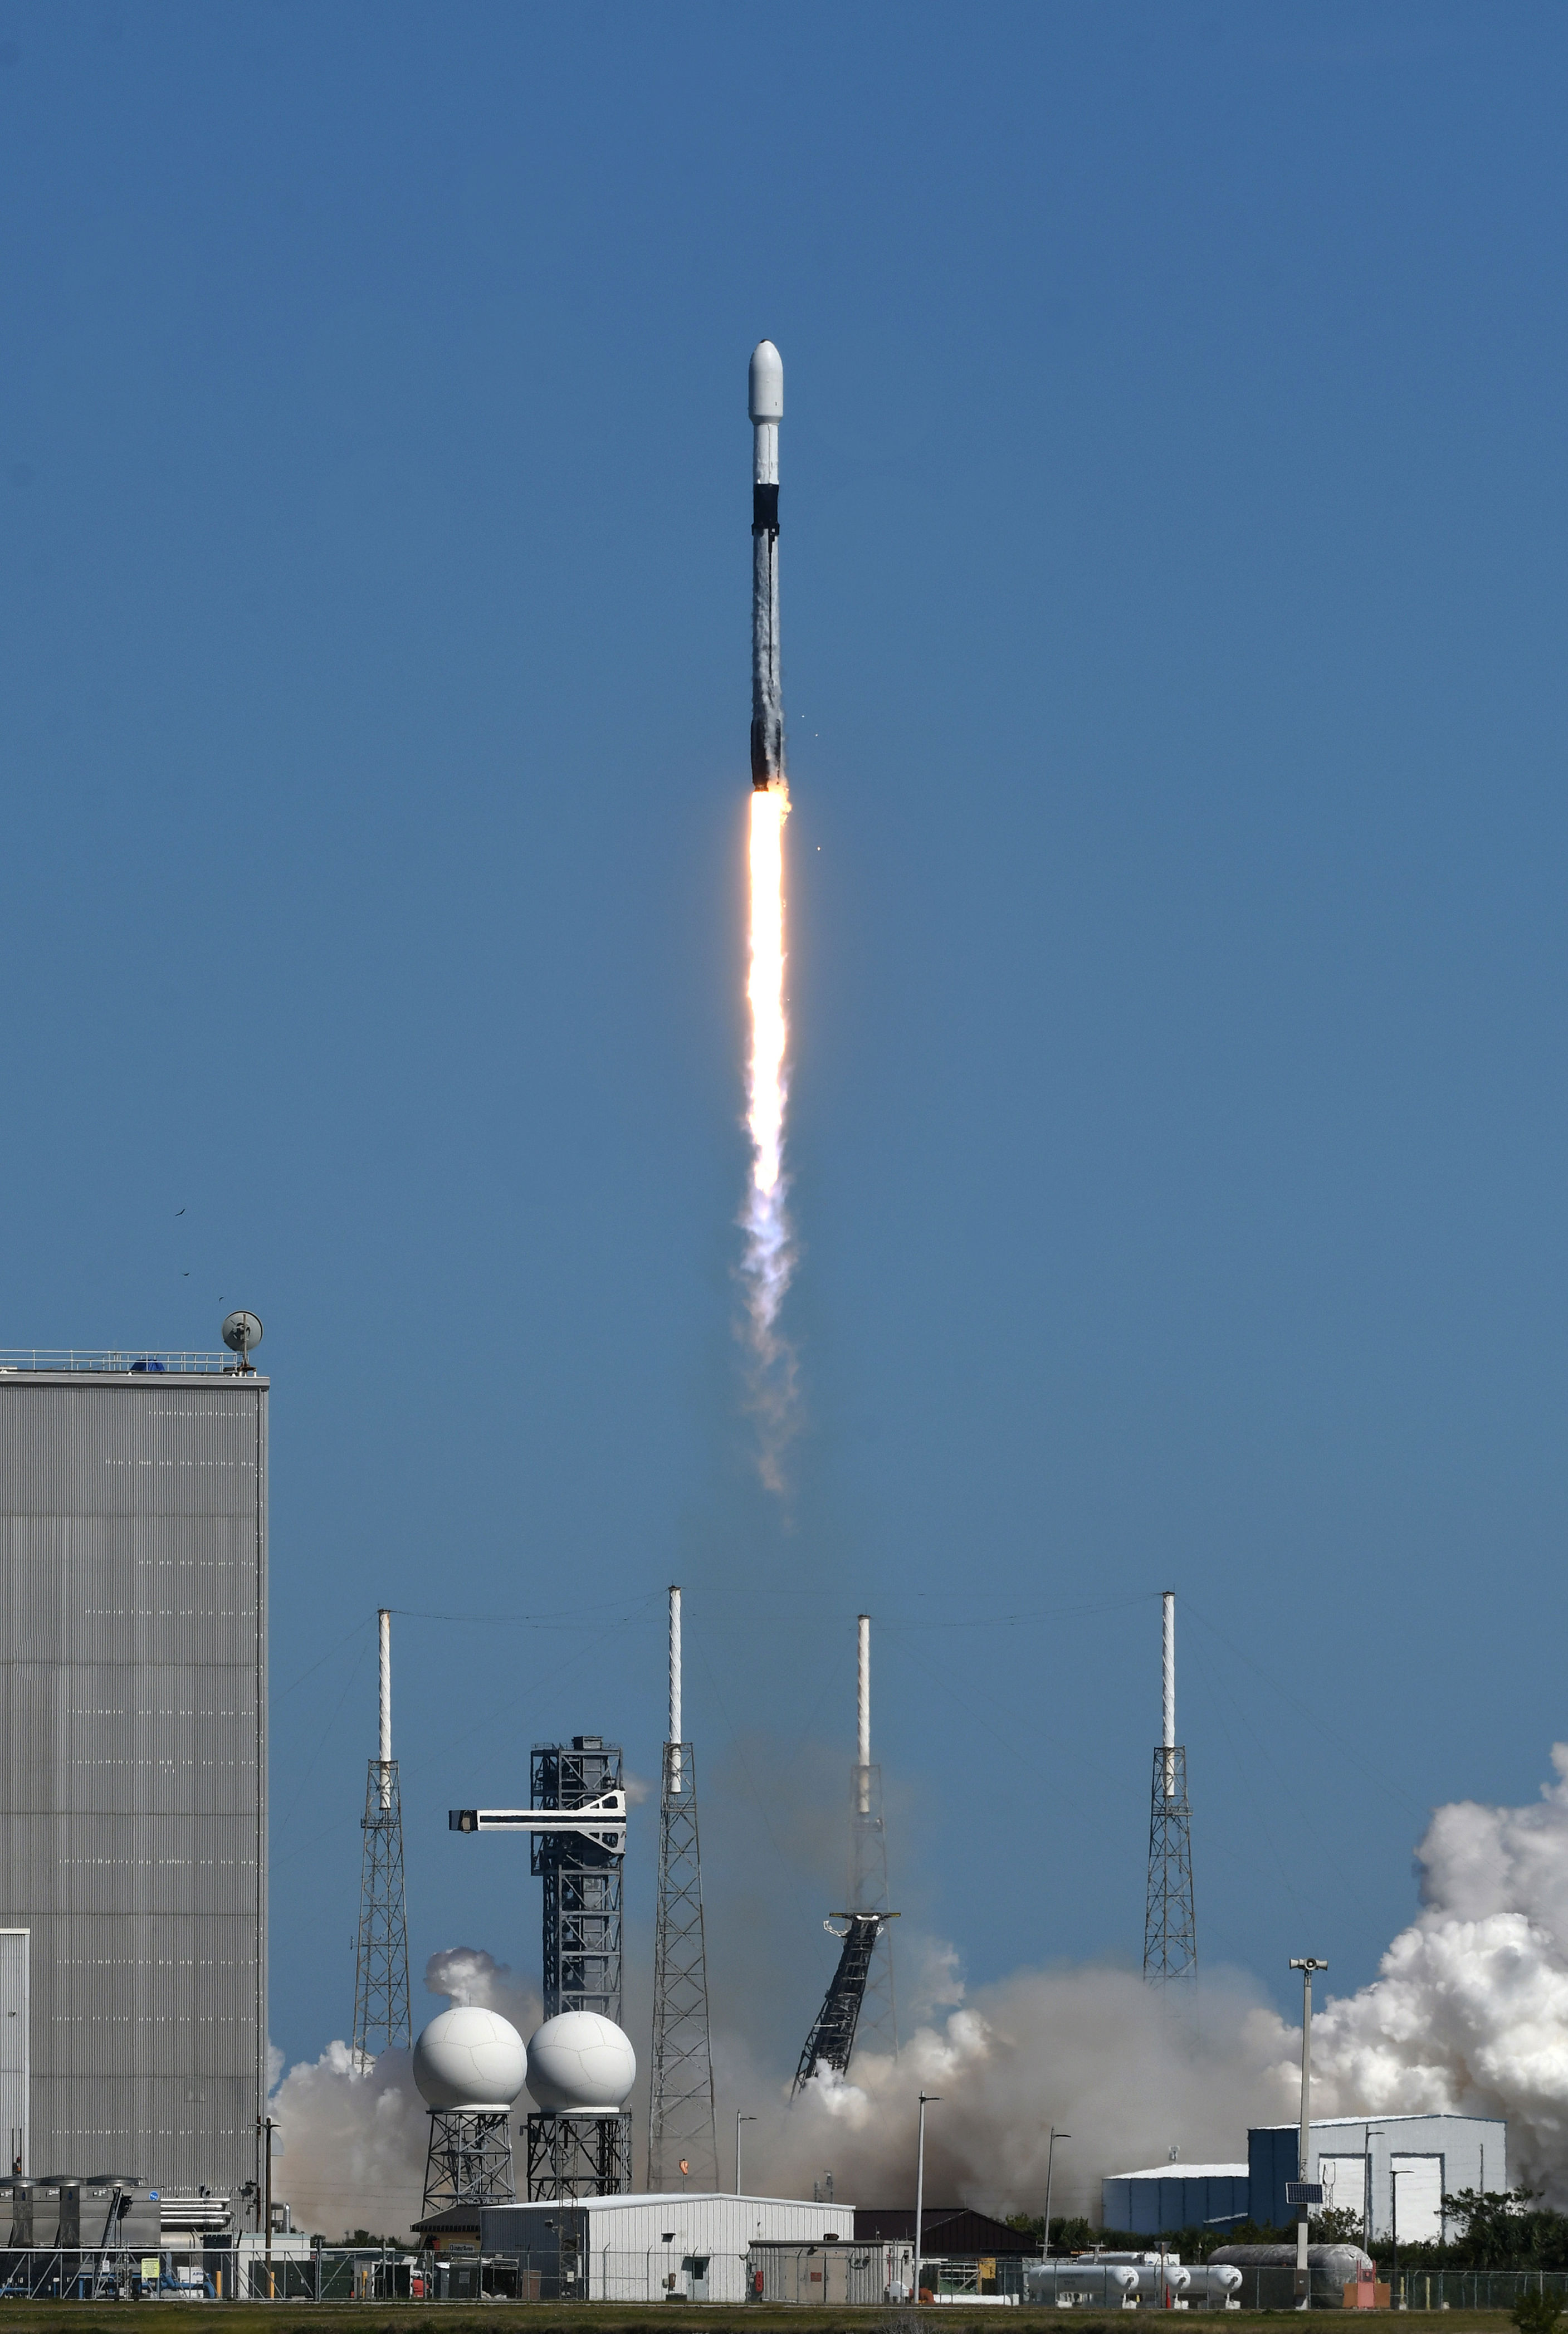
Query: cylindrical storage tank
point(1156, 2279)
point(1212, 2283)
point(580, 2063)
point(1085, 2279)
point(470, 2059)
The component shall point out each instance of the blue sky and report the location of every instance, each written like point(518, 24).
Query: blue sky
point(1174, 597)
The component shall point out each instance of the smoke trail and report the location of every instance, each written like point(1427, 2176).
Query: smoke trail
point(769, 1257)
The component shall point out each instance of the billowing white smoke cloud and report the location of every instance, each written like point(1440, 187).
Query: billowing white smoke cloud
point(469, 1976)
point(351, 2144)
point(351, 2138)
point(1471, 2009)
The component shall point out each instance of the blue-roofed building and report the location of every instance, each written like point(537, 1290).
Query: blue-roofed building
point(1174, 2196)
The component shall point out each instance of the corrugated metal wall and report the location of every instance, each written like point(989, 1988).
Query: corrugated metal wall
point(133, 1765)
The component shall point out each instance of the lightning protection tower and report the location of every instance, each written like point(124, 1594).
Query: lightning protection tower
point(680, 2111)
point(381, 1963)
point(1169, 1928)
point(858, 2003)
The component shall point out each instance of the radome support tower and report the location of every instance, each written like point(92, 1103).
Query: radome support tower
point(382, 2018)
point(1169, 1926)
point(682, 2141)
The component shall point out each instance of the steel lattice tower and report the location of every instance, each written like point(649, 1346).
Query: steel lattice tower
point(1169, 1926)
point(382, 2020)
point(681, 2110)
point(581, 1944)
point(470, 2160)
point(860, 1996)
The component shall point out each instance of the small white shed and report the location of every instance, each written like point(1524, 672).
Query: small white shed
point(640, 2248)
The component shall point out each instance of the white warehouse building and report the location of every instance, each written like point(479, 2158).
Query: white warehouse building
point(1379, 2166)
point(638, 2248)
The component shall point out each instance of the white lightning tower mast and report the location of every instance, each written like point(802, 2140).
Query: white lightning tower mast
point(382, 1962)
point(1169, 1927)
point(682, 2142)
point(858, 2005)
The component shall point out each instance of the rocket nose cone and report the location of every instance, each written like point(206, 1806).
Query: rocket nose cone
point(766, 384)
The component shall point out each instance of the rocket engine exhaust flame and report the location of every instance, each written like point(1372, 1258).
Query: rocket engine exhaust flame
point(769, 1249)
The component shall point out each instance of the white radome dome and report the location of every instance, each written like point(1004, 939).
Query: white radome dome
point(469, 2058)
point(580, 2064)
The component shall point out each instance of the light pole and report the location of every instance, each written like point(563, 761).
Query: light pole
point(1306, 2195)
point(739, 2119)
point(928, 2099)
point(1050, 2156)
point(1394, 2179)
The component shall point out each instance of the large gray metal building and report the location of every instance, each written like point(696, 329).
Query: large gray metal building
point(133, 1764)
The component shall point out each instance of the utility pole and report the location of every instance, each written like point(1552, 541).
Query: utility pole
point(1050, 2161)
point(381, 2015)
point(1303, 2192)
point(928, 2099)
point(267, 2206)
point(739, 2119)
point(680, 2103)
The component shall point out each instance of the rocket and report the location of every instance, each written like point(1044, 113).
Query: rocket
point(766, 401)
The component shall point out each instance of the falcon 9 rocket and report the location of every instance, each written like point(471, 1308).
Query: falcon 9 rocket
point(766, 403)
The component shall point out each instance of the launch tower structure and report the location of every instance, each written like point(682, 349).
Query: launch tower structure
point(860, 2000)
point(581, 1962)
point(1169, 1926)
point(681, 2132)
point(576, 1828)
point(381, 2017)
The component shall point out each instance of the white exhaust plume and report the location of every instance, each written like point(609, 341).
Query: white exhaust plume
point(350, 2142)
point(1470, 2010)
point(769, 1258)
point(1469, 2014)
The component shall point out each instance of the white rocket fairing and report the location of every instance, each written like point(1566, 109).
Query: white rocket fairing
point(766, 404)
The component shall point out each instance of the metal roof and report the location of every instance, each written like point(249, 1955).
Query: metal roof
point(1189, 2170)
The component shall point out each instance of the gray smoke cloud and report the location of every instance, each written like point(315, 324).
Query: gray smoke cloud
point(1468, 2013)
point(1095, 2051)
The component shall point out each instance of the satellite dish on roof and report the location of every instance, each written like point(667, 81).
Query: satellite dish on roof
point(242, 1332)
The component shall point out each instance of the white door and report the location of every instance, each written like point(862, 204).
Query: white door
point(1417, 2198)
point(14, 2050)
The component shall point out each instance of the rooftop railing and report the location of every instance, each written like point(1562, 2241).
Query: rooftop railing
point(131, 1362)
